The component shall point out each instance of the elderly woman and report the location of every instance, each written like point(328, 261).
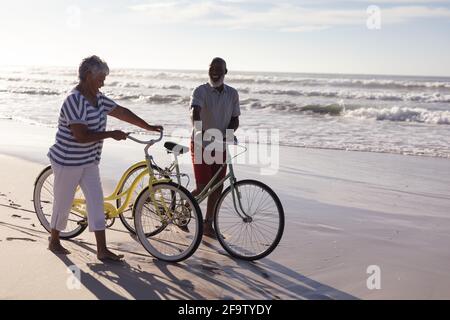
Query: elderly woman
point(75, 156)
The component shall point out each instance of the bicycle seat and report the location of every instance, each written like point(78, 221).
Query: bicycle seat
point(175, 148)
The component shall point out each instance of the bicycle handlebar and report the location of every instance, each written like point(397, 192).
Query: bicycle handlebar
point(149, 142)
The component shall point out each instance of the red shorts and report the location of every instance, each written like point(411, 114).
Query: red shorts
point(205, 172)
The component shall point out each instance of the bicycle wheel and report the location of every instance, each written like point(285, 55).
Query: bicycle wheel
point(127, 215)
point(43, 205)
point(169, 238)
point(254, 237)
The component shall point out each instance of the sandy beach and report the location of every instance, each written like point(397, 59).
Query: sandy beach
point(345, 211)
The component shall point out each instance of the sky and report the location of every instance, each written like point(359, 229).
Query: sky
point(314, 36)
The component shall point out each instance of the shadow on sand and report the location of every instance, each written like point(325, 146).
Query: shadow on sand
point(233, 278)
point(208, 274)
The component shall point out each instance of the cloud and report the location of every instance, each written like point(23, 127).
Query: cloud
point(184, 11)
point(407, 13)
point(279, 15)
point(402, 1)
point(304, 28)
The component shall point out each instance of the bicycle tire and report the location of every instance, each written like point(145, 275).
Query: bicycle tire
point(150, 243)
point(128, 214)
point(225, 236)
point(39, 204)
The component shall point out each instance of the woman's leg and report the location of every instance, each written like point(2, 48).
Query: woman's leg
point(54, 245)
point(92, 188)
point(102, 250)
point(65, 183)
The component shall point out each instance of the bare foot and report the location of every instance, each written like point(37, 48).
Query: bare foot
point(109, 256)
point(208, 231)
point(57, 248)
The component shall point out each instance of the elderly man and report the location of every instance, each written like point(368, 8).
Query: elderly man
point(215, 108)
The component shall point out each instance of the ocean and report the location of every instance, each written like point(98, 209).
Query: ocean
point(374, 113)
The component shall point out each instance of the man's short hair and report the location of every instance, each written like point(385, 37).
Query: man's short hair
point(218, 60)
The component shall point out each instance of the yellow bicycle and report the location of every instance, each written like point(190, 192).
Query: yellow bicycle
point(166, 217)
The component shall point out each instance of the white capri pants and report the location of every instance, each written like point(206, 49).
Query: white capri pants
point(66, 180)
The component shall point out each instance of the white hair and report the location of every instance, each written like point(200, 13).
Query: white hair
point(92, 64)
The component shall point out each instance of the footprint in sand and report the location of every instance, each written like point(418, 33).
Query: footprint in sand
point(43, 201)
point(23, 239)
point(15, 205)
point(20, 217)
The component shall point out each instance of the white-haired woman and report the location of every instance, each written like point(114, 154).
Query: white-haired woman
point(75, 156)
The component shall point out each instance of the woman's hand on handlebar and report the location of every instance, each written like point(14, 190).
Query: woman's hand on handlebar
point(118, 135)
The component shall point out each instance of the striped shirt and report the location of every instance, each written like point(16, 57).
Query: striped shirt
point(76, 109)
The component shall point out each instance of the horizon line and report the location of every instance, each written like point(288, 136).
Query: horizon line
point(247, 71)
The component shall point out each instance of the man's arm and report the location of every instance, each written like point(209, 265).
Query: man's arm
point(234, 123)
point(196, 104)
point(126, 115)
point(195, 114)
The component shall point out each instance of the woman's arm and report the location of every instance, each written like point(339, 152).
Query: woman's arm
point(126, 115)
point(83, 135)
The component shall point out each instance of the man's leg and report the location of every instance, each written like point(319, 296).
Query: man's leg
point(209, 219)
point(199, 189)
point(201, 177)
point(203, 174)
point(213, 198)
point(207, 224)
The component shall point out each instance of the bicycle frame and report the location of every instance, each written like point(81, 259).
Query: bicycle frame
point(150, 171)
point(111, 210)
point(212, 186)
